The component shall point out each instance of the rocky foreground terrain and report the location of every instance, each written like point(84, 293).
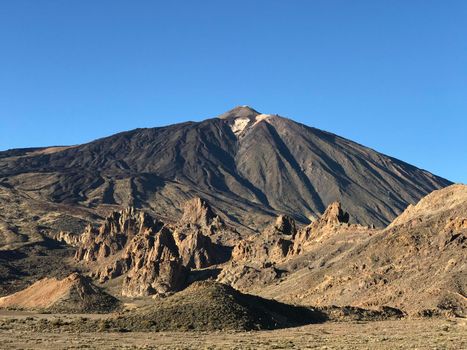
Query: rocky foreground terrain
point(245, 222)
point(331, 269)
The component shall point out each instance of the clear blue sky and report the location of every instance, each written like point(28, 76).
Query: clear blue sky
point(390, 74)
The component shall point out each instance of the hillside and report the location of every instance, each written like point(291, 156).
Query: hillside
point(417, 264)
point(72, 294)
point(249, 166)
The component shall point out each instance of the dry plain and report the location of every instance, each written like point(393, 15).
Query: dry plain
point(21, 331)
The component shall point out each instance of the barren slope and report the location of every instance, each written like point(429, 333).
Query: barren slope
point(71, 294)
point(418, 264)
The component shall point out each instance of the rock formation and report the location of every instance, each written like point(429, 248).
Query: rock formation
point(271, 246)
point(193, 235)
point(154, 265)
point(114, 233)
point(133, 244)
point(153, 257)
point(282, 238)
point(333, 218)
point(70, 238)
point(197, 211)
point(334, 215)
point(268, 257)
point(284, 225)
point(197, 250)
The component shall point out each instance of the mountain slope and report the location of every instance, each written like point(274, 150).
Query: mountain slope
point(249, 166)
point(417, 264)
point(72, 294)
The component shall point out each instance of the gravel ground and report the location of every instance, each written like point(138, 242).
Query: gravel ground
point(401, 334)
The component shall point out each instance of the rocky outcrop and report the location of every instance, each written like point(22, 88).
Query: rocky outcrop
point(271, 246)
point(417, 264)
point(334, 215)
point(114, 233)
point(332, 220)
point(456, 224)
point(243, 276)
point(261, 252)
point(197, 250)
point(284, 225)
point(255, 261)
point(193, 235)
point(197, 211)
point(151, 265)
point(153, 257)
point(134, 244)
point(283, 239)
point(69, 238)
point(155, 266)
point(432, 205)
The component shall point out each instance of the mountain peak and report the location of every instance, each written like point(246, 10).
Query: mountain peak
point(242, 118)
point(240, 112)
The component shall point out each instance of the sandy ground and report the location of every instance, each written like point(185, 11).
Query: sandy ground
point(403, 334)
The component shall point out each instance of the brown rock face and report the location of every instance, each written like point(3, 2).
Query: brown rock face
point(255, 262)
point(68, 238)
point(260, 252)
point(333, 218)
point(282, 238)
point(269, 247)
point(285, 225)
point(114, 234)
point(198, 212)
point(334, 215)
point(133, 243)
point(197, 250)
point(193, 235)
point(155, 265)
point(242, 276)
point(417, 264)
point(456, 224)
